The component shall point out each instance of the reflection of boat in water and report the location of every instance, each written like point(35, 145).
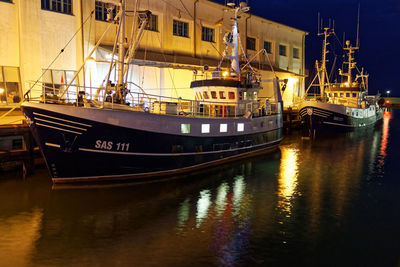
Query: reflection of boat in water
point(117, 134)
point(340, 106)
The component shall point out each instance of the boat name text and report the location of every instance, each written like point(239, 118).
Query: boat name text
point(109, 145)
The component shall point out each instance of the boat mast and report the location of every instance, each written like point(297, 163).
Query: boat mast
point(121, 54)
point(350, 62)
point(322, 73)
point(233, 38)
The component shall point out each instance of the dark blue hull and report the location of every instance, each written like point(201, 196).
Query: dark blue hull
point(88, 150)
point(323, 120)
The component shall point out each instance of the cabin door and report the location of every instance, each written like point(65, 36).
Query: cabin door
point(249, 107)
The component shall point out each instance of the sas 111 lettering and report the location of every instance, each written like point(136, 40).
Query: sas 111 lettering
point(109, 145)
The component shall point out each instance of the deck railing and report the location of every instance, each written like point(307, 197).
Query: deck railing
point(157, 104)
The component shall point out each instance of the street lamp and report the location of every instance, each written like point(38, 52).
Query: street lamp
point(387, 93)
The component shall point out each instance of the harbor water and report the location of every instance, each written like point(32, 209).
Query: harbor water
point(332, 201)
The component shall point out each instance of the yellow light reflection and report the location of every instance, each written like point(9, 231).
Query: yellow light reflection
point(1, 90)
point(18, 235)
point(287, 177)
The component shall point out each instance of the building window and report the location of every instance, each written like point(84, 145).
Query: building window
point(10, 85)
point(152, 23)
point(55, 81)
point(267, 47)
point(101, 11)
point(214, 94)
point(62, 6)
point(185, 128)
point(251, 43)
point(205, 128)
point(240, 127)
point(222, 95)
point(354, 94)
point(296, 53)
point(207, 34)
point(223, 128)
point(181, 28)
point(347, 94)
point(282, 50)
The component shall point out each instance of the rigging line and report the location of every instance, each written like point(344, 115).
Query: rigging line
point(172, 5)
point(61, 51)
point(187, 11)
point(165, 61)
point(338, 40)
point(90, 30)
point(244, 55)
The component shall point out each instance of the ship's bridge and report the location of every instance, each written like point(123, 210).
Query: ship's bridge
point(220, 92)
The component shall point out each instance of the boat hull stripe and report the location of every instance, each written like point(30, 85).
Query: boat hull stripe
point(70, 126)
point(175, 154)
point(51, 117)
point(61, 129)
point(52, 145)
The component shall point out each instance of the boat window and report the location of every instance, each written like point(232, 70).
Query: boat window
point(205, 94)
point(354, 94)
point(205, 128)
point(347, 94)
point(240, 127)
point(231, 95)
point(335, 94)
point(214, 94)
point(223, 128)
point(222, 95)
point(177, 149)
point(341, 94)
point(185, 128)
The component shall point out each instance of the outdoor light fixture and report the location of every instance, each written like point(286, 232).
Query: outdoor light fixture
point(225, 74)
point(1, 90)
point(388, 93)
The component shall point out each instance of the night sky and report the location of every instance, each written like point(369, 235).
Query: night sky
point(379, 33)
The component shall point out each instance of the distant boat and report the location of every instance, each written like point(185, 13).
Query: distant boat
point(118, 134)
point(340, 106)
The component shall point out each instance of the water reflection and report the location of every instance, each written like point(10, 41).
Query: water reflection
point(384, 143)
point(287, 177)
point(18, 235)
point(203, 203)
point(268, 211)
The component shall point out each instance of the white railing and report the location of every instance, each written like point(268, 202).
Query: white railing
point(157, 104)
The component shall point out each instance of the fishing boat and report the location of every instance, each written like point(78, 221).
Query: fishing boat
point(118, 134)
point(339, 106)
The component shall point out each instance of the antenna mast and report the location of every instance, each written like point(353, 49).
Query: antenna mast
point(358, 26)
point(321, 69)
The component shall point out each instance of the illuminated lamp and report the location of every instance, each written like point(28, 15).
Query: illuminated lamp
point(1, 90)
point(225, 73)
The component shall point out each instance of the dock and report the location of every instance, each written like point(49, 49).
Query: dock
point(17, 146)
